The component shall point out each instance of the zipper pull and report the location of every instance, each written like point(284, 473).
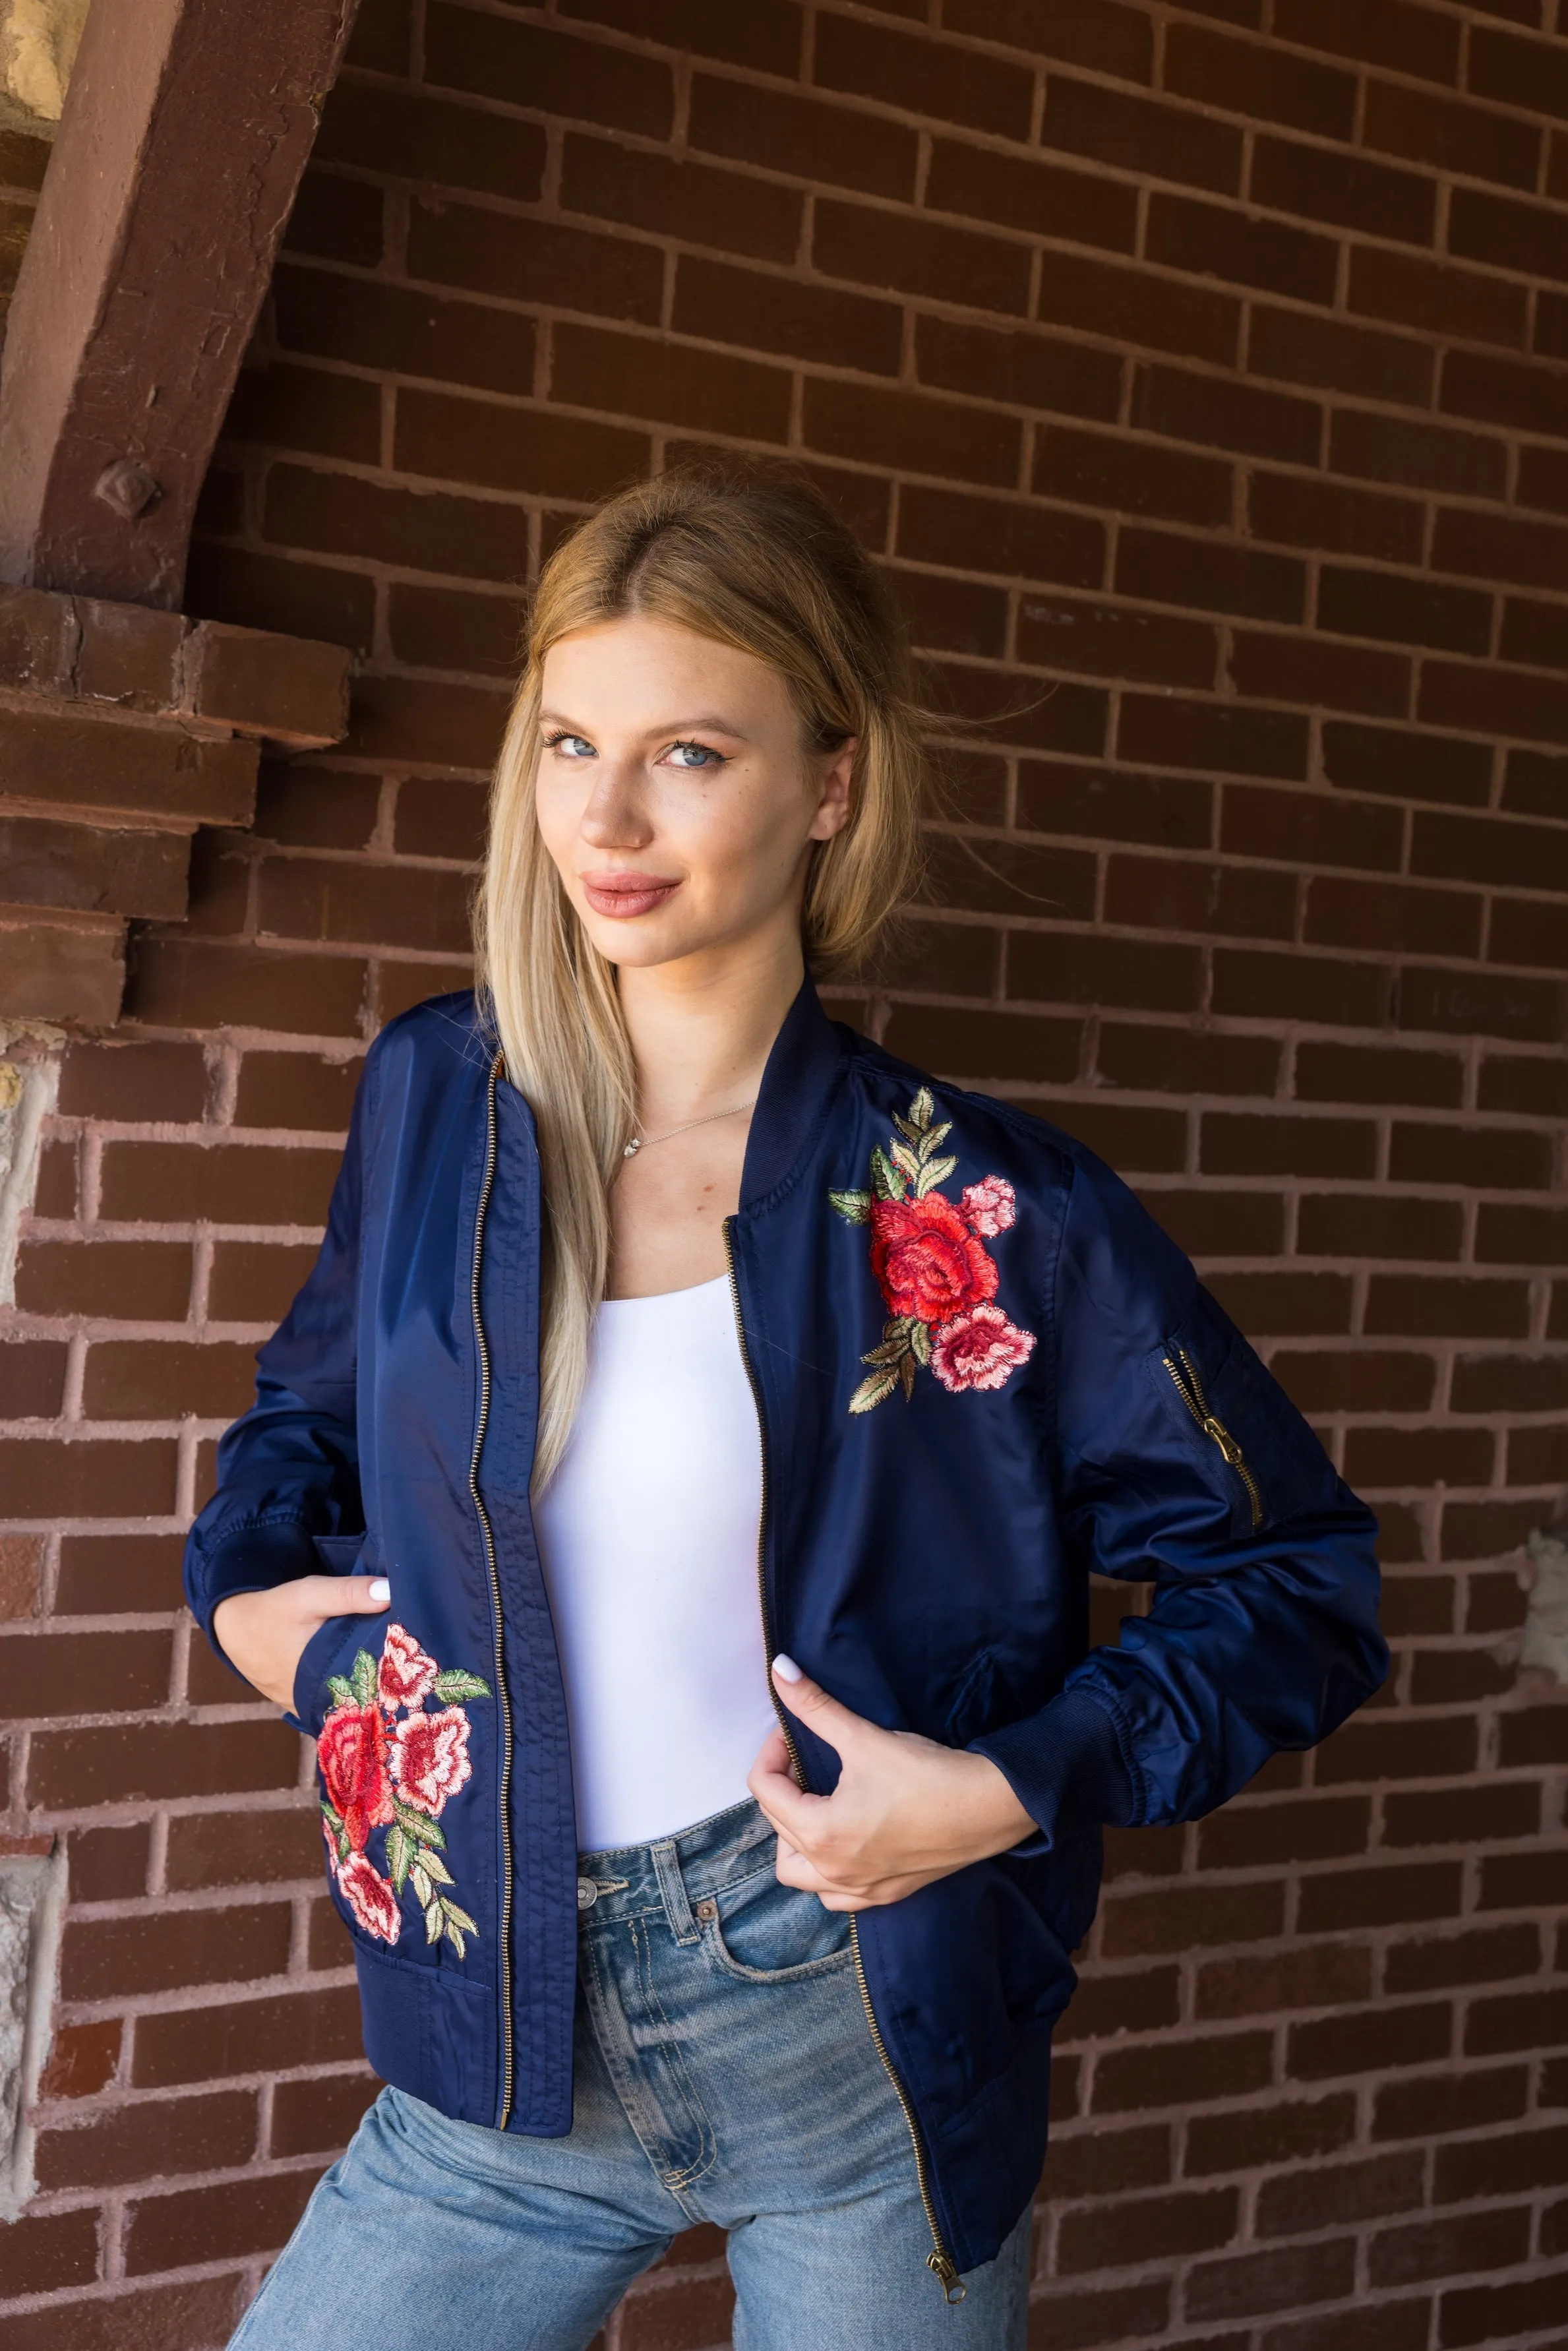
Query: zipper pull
point(1223, 1438)
point(946, 2277)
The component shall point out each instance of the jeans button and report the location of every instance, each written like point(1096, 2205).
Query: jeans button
point(707, 1910)
point(587, 1894)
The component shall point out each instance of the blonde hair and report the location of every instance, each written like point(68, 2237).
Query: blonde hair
point(753, 558)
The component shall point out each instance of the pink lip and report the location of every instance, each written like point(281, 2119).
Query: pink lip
point(626, 894)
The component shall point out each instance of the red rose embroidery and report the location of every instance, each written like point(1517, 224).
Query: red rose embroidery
point(990, 1205)
point(378, 1772)
point(407, 1675)
point(978, 1350)
point(370, 1898)
point(926, 1260)
point(352, 1753)
point(430, 1758)
point(937, 1280)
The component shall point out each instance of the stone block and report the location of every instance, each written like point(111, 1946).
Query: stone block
point(67, 761)
point(62, 971)
point(128, 654)
point(37, 641)
point(93, 868)
point(292, 690)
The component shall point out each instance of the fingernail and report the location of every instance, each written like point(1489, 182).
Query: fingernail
point(787, 1669)
point(380, 1588)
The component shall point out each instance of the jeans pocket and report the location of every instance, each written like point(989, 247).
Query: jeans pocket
point(763, 1932)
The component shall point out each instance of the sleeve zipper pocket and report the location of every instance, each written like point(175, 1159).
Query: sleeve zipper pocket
point(1190, 1387)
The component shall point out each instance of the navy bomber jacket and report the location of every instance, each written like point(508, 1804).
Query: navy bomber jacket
point(981, 1370)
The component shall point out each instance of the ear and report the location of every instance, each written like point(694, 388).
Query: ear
point(833, 781)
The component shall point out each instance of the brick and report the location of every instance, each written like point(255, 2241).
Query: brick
point(1340, 1900)
point(1529, 1084)
point(1250, 1835)
point(429, 531)
point(722, 303)
point(395, 905)
point(1377, 32)
point(336, 219)
point(1288, 2131)
point(104, 1958)
point(1508, 2165)
point(1533, 1011)
point(1518, 1881)
point(54, 1478)
point(105, 1575)
point(1079, 968)
point(924, 77)
point(1236, 1143)
point(1178, 733)
point(1107, 641)
point(1532, 634)
point(436, 725)
point(132, 2142)
point(1213, 240)
point(1509, 1384)
point(1372, 2039)
point(529, 65)
point(298, 1091)
point(1024, 368)
point(410, 135)
point(42, 2252)
point(1002, 536)
point(1426, 128)
point(1329, 2196)
point(1216, 1224)
point(1314, 1975)
point(1312, 828)
point(1140, 308)
point(1277, 2279)
point(1496, 1604)
point(109, 1765)
point(1367, 1750)
point(226, 1182)
point(1161, 566)
point(32, 1378)
point(1075, 2321)
point(1044, 199)
point(1419, 1456)
point(145, 2319)
point(1472, 2241)
point(1193, 2070)
point(1294, 347)
point(1318, 514)
point(1349, 190)
point(789, 131)
point(1528, 2020)
point(767, 37)
point(1147, 136)
point(997, 1047)
point(911, 431)
point(540, 262)
point(1537, 1735)
point(312, 2116)
point(1304, 669)
point(1378, 2327)
point(1130, 476)
point(1108, 2005)
point(1300, 987)
point(140, 770)
point(1498, 547)
point(141, 1379)
point(1146, 1140)
point(247, 2036)
point(1484, 1157)
point(1107, 2162)
point(1099, 34)
point(930, 258)
point(1501, 230)
point(1406, 764)
point(214, 2223)
point(435, 628)
point(1182, 1919)
point(1176, 1060)
point(1378, 1075)
point(134, 1081)
point(1427, 2105)
point(297, 597)
point(1163, 2228)
point(1509, 1234)
point(1537, 1456)
point(83, 1673)
point(1180, 406)
point(952, 616)
point(1456, 695)
point(411, 332)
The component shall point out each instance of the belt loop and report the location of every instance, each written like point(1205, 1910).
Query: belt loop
point(672, 1886)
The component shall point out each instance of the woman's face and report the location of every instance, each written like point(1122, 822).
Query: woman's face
point(676, 794)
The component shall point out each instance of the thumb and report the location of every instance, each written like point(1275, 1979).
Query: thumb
point(809, 1700)
point(362, 1595)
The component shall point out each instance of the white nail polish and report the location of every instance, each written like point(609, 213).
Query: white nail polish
point(787, 1669)
point(380, 1588)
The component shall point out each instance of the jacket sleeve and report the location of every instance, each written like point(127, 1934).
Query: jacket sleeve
point(1177, 1459)
point(289, 1470)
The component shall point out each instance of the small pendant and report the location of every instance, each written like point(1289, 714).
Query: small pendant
point(633, 1148)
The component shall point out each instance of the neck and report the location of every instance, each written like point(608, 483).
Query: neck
point(702, 1029)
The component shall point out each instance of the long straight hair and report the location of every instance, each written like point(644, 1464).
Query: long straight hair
point(753, 559)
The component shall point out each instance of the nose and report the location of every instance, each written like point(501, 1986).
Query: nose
point(613, 816)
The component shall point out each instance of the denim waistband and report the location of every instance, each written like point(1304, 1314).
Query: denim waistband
point(674, 1875)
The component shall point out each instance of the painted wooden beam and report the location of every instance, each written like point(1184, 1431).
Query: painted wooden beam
point(186, 128)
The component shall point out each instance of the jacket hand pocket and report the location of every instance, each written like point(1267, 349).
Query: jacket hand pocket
point(330, 1647)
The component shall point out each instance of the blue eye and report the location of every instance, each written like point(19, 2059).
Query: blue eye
point(571, 747)
point(695, 754)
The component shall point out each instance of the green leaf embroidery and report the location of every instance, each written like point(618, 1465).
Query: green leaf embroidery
point(933, 1136)
point(423, 1892)
point(905, 1161)
point(854, 1207)
point(363, 1684)
point(906, 1374)
point(872, 1390)
point(414, 1824)
point(922, 1109)
point(886, 1181)
point(342, 1691)
point(401, 1850)
point(910, 1134)
point(435, 1923)
point(434, 1869)
point(934, 1172)
point(459, 1917)
point(920, 1342)
point(456, 1683)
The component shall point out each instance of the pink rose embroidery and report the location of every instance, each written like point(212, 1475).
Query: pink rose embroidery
point(380, 1772)
point(407, 1675)
point(980, 1349)
point(990, 1205)
point(370, 1898)
point(430, 1758)
point(937, 1281)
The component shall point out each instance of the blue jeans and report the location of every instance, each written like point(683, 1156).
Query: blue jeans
point(725, 2072)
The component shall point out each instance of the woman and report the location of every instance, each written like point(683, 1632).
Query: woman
point(714, 1823)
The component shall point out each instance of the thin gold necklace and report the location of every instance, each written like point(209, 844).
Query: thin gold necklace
point(641, 1142)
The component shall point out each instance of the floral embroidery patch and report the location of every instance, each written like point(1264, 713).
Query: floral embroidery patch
point(382, 1773)
point(937, 1280)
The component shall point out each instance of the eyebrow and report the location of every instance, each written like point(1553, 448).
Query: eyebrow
point(710, 725)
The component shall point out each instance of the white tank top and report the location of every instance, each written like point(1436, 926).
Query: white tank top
point(648, 1533)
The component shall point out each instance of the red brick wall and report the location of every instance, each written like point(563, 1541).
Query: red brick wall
point(1199, 371)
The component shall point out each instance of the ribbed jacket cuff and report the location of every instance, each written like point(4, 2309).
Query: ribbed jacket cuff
point(1066, 1767)
point(252, 1559)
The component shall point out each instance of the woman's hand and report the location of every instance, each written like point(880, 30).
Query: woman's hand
point(264, 1633)
point(905, 1810)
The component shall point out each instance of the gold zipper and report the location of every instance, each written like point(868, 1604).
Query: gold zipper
point(485, 1529)
point(1190, 1390)
point(939, 2261)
